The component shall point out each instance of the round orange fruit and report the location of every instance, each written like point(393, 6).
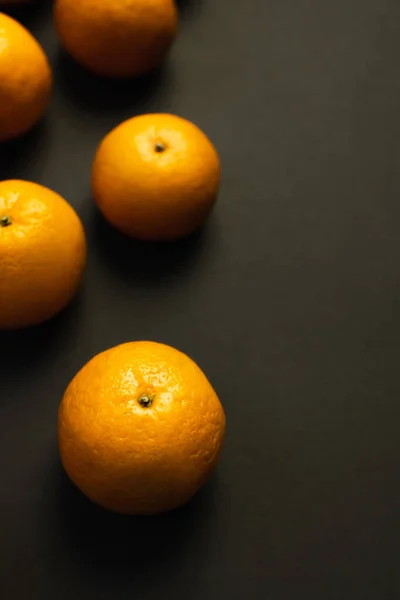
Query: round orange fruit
point(42, 254)
point(140, 428)
point(156, 177)
point(121, 39)
point(25, 79)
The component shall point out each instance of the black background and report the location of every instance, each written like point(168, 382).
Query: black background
point(288, 299)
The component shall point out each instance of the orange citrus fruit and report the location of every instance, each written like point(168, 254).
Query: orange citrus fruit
point(126, 38)
point(25, 79)
point(42, 253)
point(140, 428)
point(156, 177)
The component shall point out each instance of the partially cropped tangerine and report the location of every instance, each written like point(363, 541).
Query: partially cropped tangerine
point(117, 38)
point(140, 428)
point(42, 254)
point(156, 177)
point(25, 79)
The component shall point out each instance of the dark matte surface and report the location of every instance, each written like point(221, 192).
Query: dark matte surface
point(288, 299)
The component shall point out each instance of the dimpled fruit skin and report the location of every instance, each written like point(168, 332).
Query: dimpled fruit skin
point(123, 38)
point(42, 254)
point(133, 459)
point(154, 195)
point(25, 79)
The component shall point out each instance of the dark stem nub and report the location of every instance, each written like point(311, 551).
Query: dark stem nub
point(5, 221)
point(159, 147)
point(146, 400)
